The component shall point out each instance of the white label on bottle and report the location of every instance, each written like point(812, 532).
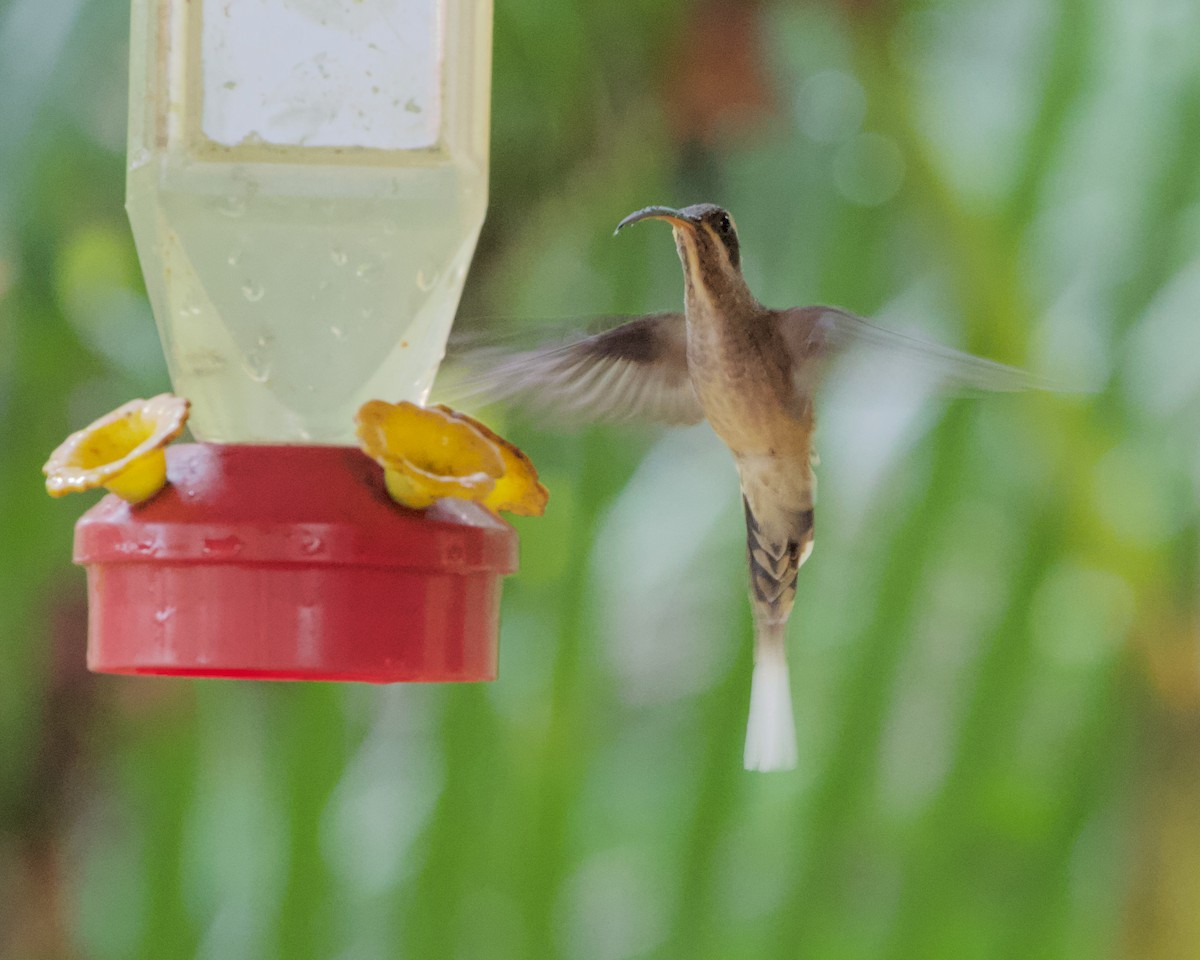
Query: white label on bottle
point(322, 73)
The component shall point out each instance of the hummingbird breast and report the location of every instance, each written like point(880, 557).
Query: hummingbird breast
point(741, 372)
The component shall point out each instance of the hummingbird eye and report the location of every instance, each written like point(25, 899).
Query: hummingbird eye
point(721, 224)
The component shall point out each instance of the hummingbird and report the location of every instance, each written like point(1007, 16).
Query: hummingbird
point(752, 373)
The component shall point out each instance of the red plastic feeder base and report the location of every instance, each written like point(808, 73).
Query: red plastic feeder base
point(291, 563)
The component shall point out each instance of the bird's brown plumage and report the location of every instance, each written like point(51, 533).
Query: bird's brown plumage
point(752, 373)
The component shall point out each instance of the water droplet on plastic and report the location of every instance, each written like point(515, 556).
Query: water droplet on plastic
point(338, 332)
point(139, 158)
point(426, 277)
point(365, 269)
point(338, 256)
point(310, 544)
point(257, 362)
point(253, 291)
point(229, 546)
point(232, 207)
point(234, 258)
point(165, 614)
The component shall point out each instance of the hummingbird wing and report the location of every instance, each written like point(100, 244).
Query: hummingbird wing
point(636, 371)
point(817, 335)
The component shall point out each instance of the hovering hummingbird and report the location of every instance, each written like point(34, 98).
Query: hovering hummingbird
point(752, 372)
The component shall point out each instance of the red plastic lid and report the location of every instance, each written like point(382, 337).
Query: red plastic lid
point(288, 562)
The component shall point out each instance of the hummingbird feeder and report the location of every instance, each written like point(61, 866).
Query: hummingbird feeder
point(306, 184)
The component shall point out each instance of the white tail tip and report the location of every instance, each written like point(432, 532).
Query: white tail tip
point(771, 731)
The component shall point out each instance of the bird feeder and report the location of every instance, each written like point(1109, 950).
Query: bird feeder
point(306, 183)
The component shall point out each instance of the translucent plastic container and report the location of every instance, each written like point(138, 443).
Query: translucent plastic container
point(306, 184)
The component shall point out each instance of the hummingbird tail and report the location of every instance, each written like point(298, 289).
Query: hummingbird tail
point(776, 552)
point(771, 729)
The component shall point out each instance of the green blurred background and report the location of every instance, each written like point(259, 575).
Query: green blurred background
point(994, 648)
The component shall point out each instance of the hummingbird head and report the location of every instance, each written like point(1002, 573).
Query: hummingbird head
point(707, 241)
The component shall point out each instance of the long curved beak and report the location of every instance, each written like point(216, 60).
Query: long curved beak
point(674, 217)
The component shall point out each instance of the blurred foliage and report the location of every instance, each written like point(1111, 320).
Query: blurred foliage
point(994, 646)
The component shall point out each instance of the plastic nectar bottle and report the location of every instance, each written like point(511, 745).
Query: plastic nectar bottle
point(306, 184)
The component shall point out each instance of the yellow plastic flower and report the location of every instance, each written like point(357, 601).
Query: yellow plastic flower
point(518, 491)
point(425, 454)
point(432, 452)
point(122, 451)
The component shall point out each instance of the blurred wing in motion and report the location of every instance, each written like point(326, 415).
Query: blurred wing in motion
point(636, 371)
point(818, 335)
